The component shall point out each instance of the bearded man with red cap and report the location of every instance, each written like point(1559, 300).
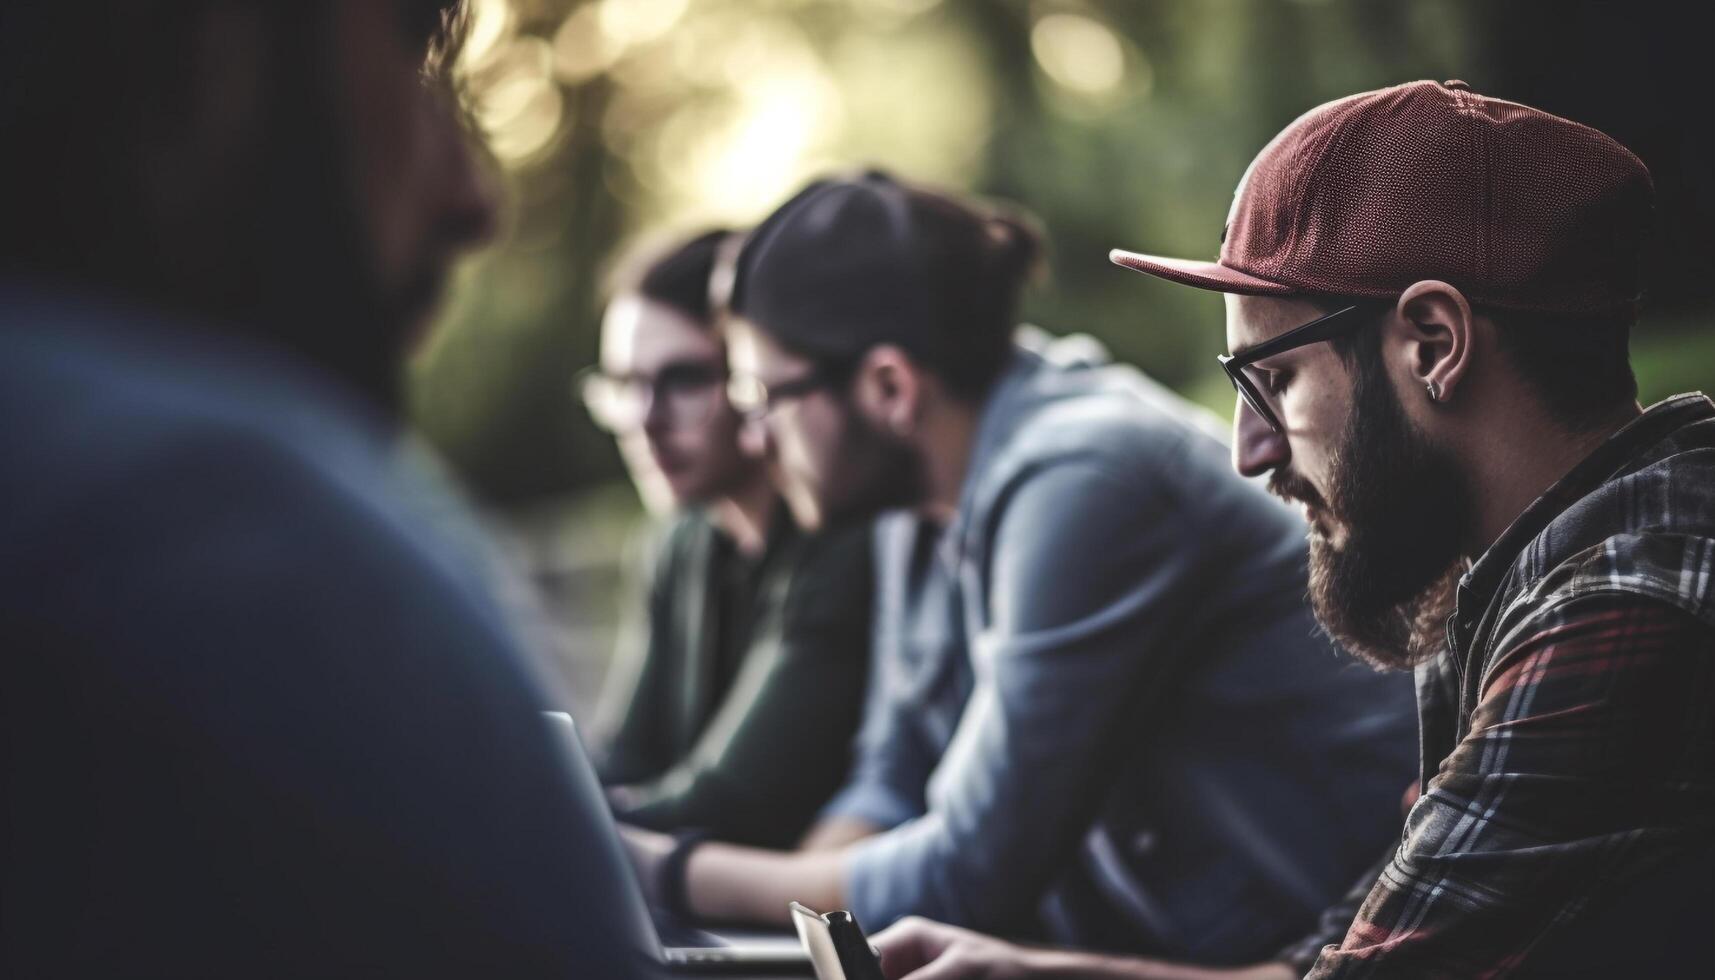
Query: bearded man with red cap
point(1429, 294)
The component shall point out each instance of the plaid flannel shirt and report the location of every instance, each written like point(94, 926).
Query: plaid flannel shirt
point(1567, 737)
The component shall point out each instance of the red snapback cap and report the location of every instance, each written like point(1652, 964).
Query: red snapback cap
point(1365, 195)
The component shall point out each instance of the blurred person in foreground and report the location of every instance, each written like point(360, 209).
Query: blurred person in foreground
point(1101, 712)
point(260, 718)
point(1429, 294)
point(735, 713)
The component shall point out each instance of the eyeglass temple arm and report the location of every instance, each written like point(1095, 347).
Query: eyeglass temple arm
point(1322, 328)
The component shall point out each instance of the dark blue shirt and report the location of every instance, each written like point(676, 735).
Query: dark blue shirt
point(260, 717)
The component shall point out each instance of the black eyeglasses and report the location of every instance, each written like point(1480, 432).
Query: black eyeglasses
point(1341, 321)
point(753, 399)
point(685, 392)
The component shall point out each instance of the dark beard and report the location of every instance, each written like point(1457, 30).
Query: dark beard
point(1385, 594)
point(876, 472)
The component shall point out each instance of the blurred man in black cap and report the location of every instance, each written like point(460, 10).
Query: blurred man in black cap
point(259, 717)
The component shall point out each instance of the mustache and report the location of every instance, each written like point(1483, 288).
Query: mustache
point(1287, 485)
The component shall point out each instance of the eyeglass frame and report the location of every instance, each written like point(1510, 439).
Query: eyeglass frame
point(584, 380)
point(1325, 327)
point(822, 375)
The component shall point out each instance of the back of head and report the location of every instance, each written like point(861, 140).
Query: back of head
point(208, 159)
point(72, 127)
point(852, 263)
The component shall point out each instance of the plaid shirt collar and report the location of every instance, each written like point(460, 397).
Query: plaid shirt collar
point(1625, 450)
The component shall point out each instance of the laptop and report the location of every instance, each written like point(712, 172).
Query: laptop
point(677, 947)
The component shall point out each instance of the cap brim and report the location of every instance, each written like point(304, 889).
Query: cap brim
point(1203, 275)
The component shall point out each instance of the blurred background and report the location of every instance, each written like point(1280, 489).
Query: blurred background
point(1117, 122)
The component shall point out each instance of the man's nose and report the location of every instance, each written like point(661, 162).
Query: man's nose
point(753, 438)
point(1257, 448)
point(653, 412)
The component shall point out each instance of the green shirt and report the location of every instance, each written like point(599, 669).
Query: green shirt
point(737, 712)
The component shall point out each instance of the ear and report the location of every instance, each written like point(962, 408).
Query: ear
point(1439, 331)
point(888, 389)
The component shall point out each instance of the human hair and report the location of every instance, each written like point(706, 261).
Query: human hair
point(106, 182)
point(977, 259)
point(674, 273)
point(863, 260)
point(1578, 366)
point(83, 86)
point(448, 25)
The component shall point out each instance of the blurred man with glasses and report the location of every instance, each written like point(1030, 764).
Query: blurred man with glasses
point(1097, 681)
point(731, 706)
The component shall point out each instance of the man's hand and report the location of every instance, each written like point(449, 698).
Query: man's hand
point(923, 950)
point(732, 883)
point(917, 949)
point(647, 849)
point(621, 798)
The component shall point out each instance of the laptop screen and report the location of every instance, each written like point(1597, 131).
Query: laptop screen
point(609, 862)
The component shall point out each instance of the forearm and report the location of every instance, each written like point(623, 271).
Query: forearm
point(833, 833)
point(917, 948)
point(726, 882)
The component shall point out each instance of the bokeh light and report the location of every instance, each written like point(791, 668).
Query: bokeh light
point(490, 22)
point(519, 108)
point(630, 22)
point(1079, 53)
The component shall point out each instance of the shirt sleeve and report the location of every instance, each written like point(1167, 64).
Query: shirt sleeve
point(1091, 577)
point(780, 743)
point(1334, 922)
point(1588, 762)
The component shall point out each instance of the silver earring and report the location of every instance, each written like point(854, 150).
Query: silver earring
point(1434, 392)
